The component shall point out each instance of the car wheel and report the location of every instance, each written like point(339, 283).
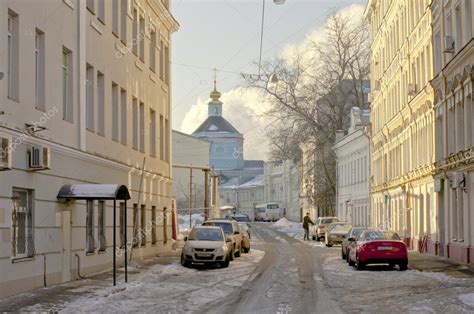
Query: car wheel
point(246, 250)
point(391, 265)
point(358, 264)
point(184, 262)
point(329, 244)
point(403, 266)
point(314, 238)
point(224, 264)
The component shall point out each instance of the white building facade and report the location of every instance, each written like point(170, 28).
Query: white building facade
point(282, 186)
point(453, 44)
point(85, 97)
point(353, 170)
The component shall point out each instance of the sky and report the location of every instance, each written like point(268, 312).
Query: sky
point(225, 34)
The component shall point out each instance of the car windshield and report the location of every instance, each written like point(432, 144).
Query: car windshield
point(272, 206)
point(328, 220)
point(340, 228)
point(202, 234)
point(356, 232)
point(381, 235)
point(260, 209)
point(226, 226)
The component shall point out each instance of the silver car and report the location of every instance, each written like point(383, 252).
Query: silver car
point(336, 232)
point(231, 229)
point(207, 245)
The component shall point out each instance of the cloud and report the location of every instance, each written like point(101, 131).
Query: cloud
point(245, 108)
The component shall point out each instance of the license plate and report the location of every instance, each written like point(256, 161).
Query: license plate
point(203, 254)
point(384, 248)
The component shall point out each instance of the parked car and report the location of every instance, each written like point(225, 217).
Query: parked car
point(241, 217)
point(319, 228)
point(336, 232)
point(374, 246)
point(231, 230)
point(353, 233)
point(245, 230)
point(207, 245)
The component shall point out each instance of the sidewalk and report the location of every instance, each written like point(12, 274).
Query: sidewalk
point(433, 263)
point(58, 294)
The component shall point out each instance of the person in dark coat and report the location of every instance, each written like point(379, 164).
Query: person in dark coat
point(306, 221)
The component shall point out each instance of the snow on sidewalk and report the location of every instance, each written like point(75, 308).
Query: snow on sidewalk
point(164, 288)
point(294, 230)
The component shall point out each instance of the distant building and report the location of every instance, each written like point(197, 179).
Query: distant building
point(244, 195)
point(282, 186)
point(352, 151)
point(453, 43)
point(83, 105)
point(227, 152)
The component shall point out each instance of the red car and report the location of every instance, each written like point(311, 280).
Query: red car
point(374, 246)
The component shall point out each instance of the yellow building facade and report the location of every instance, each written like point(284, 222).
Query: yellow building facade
point(402, 144)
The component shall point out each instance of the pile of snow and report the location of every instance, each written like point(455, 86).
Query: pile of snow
point(467, 299)
point(183, 221)
point(282, 223)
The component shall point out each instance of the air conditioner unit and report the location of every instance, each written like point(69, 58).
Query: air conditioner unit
point(448, 44)
point(377, 85)
point(39, 158)
point(5, 153)
point(412, 89)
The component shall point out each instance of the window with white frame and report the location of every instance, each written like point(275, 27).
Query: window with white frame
point(90, 97)
point(142, 127)
point(136, 18)
point(123, 116)
point(153, 51)
point(101, 11)
point(100, 104)
point(115, 17)
point(152, 131)
point(68, 113)
point(101, 226)
point(115, 112)
point(39, 70)
point(123, 20)
point(135, 124)
point(90, 241)
point(13, 55)
point(22, 223)
point(153, 225)
point(141, 37)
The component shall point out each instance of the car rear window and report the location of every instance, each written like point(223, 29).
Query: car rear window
point(339, 228)
point(328, 221)
point(226, 226)
point(205, 235)
point(381, 235)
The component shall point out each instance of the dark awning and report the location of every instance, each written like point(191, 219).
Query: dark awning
point(94, 192)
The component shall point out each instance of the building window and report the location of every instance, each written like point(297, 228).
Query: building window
point(115, 18)
point(90, 241)
point(90, 84)
point(91, 6)
point(123, 20)
point(153, 51)
point(467, 21)
point(136, 234)
point(167, 65)
point(142, 127)
point(101, 226)
point(115, 112)
point(459, 38)
point(152, 131)
point(123, 116)
point(122, 225)
point(153, 225)
point(135, 123)
point(68, 113)
point(142, 225)
point(162, 138)
point(162, 59)
point(39, 70)
point(22, 223)
point(141, 37)
point(135, 31)
point(167, 140)
point(13, 55)
point(165, 223)
point(100, 104)
point(101, 11)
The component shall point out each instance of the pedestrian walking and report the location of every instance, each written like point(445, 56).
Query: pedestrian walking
point(306, 221)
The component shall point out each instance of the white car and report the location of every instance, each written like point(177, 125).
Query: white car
point(207, 245)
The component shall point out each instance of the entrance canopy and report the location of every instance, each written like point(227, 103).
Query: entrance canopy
point(94, 192)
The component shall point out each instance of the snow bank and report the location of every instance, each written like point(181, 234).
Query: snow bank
point(183, 221)
point(467, 299)
point(282, 223)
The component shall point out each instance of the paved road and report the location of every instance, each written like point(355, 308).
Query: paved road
point(288, 280)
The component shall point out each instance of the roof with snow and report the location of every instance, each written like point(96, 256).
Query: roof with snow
point(254, 163)
point(258, 181)
point(216, 124)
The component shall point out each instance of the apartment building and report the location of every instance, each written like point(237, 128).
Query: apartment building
point(84, 99)
point(352, 150)
point(402, 192)
point(454, 108)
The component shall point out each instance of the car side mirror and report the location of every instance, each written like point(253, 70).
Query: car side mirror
point(185, 239)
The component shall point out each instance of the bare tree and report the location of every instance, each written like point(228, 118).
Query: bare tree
point(313, 95)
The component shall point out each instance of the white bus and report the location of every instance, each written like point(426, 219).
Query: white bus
point(267, 212)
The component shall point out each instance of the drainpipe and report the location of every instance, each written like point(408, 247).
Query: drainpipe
point(79, 267)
